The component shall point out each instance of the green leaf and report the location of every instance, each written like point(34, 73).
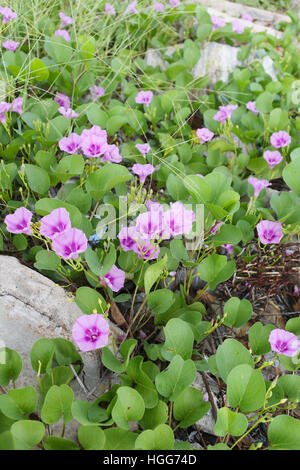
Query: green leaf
point(230, 354)
point(160, 300)
point(89, 300)
point(96, 116)
point(41, 355)
point(175, 186)
point(59, 49)
point(171, 382)
point(91, 437)
point(57, 403)
point(128, 407)
point(160, 438)
point(290, 175)
point(215, 269)
point(111, 362)
point(7, 441)
point(230, 422)
point(155, 416)
point(10, 366)
point(87, 47)
point(291, 386)
point(119, 439)
point(191, 53)
point(69, 166)
point(59, 443)
point(259, 338)
point(103, 180)
point(38, 70)
point(38, 179)
point(284, 433)
point(144, 385)
point(20, 241)
point(27, 434)
point(81, 411)
point(189, 407)
point(46, 205)
point(227, 234)
point(25, 399)
point(238, 312)
point(47, 260)
point(153, 273)
point(246, 388)
point(179, 339)
point(264, 102)
point(114, 123)
point(66, 353)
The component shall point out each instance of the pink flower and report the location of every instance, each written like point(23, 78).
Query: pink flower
point(143, 171)
point(17, 105)
point(95, 130)
point(146, 249)
point(127, 237)
point(174, 3)
point(93, 145)
point(154, 205)
point(247, 17)
point(62, 100)
point(272, 158)
point(151, 224)
point(19, 221)
point(143, 148)
point(68, 112)
point(280, 139)
point(57, 221)
point(65, 20)
point(10, 45)
point(204, 134)
point(70, 243)
point(178, 220)
point(63, 33)
point(159, 7)
point(144, 97)
point(96, 91)
point(91, 332)
point(258, 185)
point(284, 342)
point(237, 26)
point(228, 247)
point(4, 108)
point(114, 279)
point(70, 144)
point(216, 227)
point(7, 14)
point(131, 7)
point(109, 9)
point(251, 105)
point(111, 154)
point(217, 22)
point(269, 232)
point(224, 112)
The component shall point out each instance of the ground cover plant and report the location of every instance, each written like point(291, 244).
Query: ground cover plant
point(145, 192)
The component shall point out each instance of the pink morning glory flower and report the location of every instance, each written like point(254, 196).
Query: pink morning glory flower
point(144, 97)
point(154, 205)
point(63, 33)
point(159, 7)
point(272, 158)
point(62, 100)
point(143, 171)
point(224, 112)
point(228, 247)
point(114, 279)
point(70, 144)
point(251, 105)
point(146, 250)
point(174, 3)
point(143, 148)
point(247, 17)
point(109, 9)
point(237, 26)
point(90, 332)
point(284, 342)
point(150, 224)
point(95, 130)
point(56, 222)
point(127, 237)
point(96, 91)
point(65, 20)
point(4, 108)
point(68, 112)
point(70, 243)
point(217, 22)
point(258, 185)
point(216, 227)
point(204, 134)
point(280, 139)
point(19, 221)
point(178, 220)
point(17, 105)
point(131, 8)
point(111, 154)
point(10, 45)
point(93, 145)
point(269, 232)
point(7, 14)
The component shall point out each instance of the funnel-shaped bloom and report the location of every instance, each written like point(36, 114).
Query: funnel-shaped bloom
point(284, 342)
point(62, 100)
point(10, 45)
point(91, 332)
point(258, 185)
point(144, 97)
point(70, 144)
point(178, 220)
point(63, 33)
point(17, 105)
point(280, 139)
point(56, 222)
point(19, 221)
point(114, 279)
point(269, 232)
point(70, 243)
point(272, 158)
point(143, 148)
point(204, 134)
point(143, 171)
